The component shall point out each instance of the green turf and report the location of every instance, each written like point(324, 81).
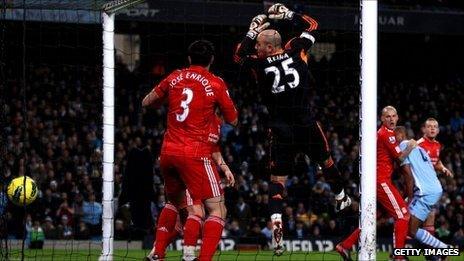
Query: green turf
point(77, 255)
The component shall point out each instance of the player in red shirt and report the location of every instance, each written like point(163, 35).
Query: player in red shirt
point(165, 235)
point(430, 130)
point(388, 195)
point(193, 94)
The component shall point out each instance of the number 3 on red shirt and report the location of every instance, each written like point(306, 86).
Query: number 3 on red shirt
point(185, 105)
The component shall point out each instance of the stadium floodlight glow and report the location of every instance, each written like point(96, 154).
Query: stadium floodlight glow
point(368, 134)
point(108, 15)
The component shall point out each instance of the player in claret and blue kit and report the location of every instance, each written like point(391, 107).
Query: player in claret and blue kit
point(423, 189)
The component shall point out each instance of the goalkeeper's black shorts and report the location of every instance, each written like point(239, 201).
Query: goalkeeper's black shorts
point(289, 139)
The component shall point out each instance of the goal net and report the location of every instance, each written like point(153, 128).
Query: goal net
point(71, 119)
point(53, 93)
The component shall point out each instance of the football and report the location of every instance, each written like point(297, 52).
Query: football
point(16, 191)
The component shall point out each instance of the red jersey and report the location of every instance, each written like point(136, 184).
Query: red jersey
point(432, 147)
point(193, 94)
point(387, 151)
point(214, 134)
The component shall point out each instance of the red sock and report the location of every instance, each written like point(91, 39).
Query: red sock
point(351, 240)
point(430, 229)
point(400, 233)
point(192, 230)
point(211, 235)
point(177, 230)
point(166, 225)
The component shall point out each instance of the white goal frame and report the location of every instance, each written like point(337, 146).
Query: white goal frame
point(368, 130)
point(368, 133)
point(108, 17)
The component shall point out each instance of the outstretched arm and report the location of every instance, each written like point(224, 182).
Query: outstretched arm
point(308, 24)
point(281, 12)
point(245, 49)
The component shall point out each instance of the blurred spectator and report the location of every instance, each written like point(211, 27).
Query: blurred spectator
point(234, 229)
point(37, 236)
point(49, 229)
point(92, 212)
point(267, 231)
point(243, 213)
point(82, 231)
point(65, 231)
point(301, 231)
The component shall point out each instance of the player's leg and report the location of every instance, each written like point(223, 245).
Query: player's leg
point(203, 183)
point(347, 244)
point(213, 227)
point(429, 223)
point(192, 227)
point(276, 197)
point(165, 215)
point(429, 226)
point(392, 202)
point(167, 220)
point(318, 150)
point(281, 153)
point(420, 208)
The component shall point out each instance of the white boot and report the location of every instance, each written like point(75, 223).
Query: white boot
point(277, 234)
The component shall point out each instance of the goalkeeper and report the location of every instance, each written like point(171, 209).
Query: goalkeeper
point(282, 74)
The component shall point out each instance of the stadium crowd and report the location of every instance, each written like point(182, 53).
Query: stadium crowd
point(57, 132)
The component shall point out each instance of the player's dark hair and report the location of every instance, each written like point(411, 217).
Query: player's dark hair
point(201, 52)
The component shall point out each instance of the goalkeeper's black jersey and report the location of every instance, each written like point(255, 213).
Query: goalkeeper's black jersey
point(283, 79)
point(283, 84)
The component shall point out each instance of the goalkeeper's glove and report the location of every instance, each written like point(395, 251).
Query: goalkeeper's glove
point(257, 25)
point(280, 12)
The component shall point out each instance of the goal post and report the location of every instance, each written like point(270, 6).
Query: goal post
point(108, 16)
point(368, 135)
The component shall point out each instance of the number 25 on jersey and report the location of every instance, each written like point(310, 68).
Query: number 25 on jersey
point(276, 88)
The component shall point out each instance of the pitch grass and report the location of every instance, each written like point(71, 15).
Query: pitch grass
point(120, 254)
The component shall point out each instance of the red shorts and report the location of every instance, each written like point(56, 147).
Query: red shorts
point(197, 174)
point(391, 200)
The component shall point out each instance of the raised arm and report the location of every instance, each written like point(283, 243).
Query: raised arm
point(281, 12)
point(245, 49)
point(308, 24)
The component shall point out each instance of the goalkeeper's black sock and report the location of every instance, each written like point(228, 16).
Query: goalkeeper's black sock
point(334, 178)
point(276, 191)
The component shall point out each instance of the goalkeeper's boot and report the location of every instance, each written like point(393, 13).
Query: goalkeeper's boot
point(344, 253)
point(277, 237)
point(343, 203)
